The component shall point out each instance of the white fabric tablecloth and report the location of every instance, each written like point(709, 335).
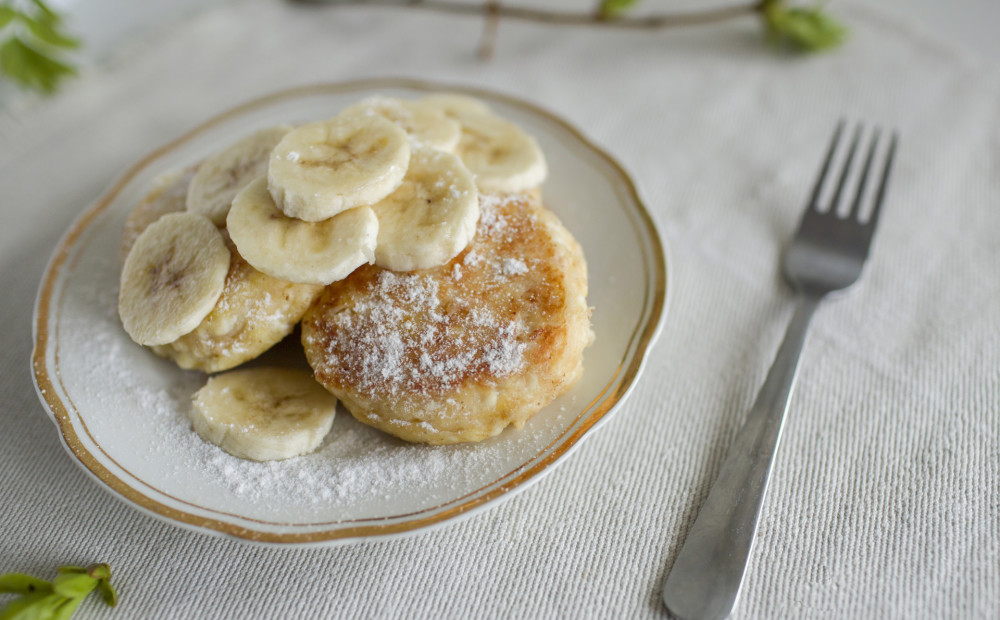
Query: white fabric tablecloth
point(885, 502)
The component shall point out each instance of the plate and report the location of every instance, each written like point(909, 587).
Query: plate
point(121, 411)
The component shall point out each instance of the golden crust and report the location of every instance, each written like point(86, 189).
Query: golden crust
point(459, 352)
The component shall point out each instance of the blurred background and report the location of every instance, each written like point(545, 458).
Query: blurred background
point(103, 24)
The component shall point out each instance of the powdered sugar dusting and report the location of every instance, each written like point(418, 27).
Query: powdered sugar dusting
point(513, 267)
point(493, 223)
point(385, 338)
point(354, 464)
point(490, 220)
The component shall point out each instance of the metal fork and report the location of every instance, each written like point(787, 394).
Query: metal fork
point(827, 254)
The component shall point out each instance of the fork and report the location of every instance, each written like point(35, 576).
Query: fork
point(827, 254)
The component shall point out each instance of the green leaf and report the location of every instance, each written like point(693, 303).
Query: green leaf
point(46, 14)
point(30, 68)
point(18, 583)
point(29, 53)
point(7, 15)
point(30, 607)
point(41, 600)
point(108, 592)
point(610, 9)
point(808, 29)
point(74, 585)
point(66, 608)
point(46, 32)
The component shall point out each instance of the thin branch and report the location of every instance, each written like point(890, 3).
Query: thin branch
point(487, 43)
point(494, 10)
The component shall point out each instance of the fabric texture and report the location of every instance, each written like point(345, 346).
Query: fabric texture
point(885, 500)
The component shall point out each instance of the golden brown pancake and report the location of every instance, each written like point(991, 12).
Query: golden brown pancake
point(459, 352)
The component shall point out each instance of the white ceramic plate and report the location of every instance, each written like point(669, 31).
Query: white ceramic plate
point(121, 410)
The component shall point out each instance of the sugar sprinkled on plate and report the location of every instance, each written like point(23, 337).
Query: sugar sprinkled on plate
point(354, 464)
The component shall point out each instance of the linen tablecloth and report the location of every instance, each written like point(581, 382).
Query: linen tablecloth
point(885, 501)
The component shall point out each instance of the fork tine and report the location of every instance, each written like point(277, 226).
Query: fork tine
point(856, 205)
point(818, 187)
point(880, 194)
point(846, 170)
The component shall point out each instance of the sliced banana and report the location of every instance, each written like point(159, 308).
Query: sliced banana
point(431, 217)
point(424, 124)
point(172, 278)
point(456, 106)
point(321, 169)
point(263, 414)
point(502, 157)
point(222, 175)
point(297, 251)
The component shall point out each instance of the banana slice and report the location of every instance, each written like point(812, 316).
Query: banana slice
point(221, 176)
point(456, 106)
point(431, 217)
point(502, 157)
point(263, 414)
point(297, 251)
point(172, 278)
point(321, 169)
point(424, 124)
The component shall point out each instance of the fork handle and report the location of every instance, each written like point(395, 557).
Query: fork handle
point(705, 579)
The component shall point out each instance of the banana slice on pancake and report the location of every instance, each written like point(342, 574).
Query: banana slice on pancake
point(263, 414)
point(430, 217)
point(222, 175)
point(424, 124)
point(172, 278)
point(502, 156)
point(321, 169)
point(298, 251)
